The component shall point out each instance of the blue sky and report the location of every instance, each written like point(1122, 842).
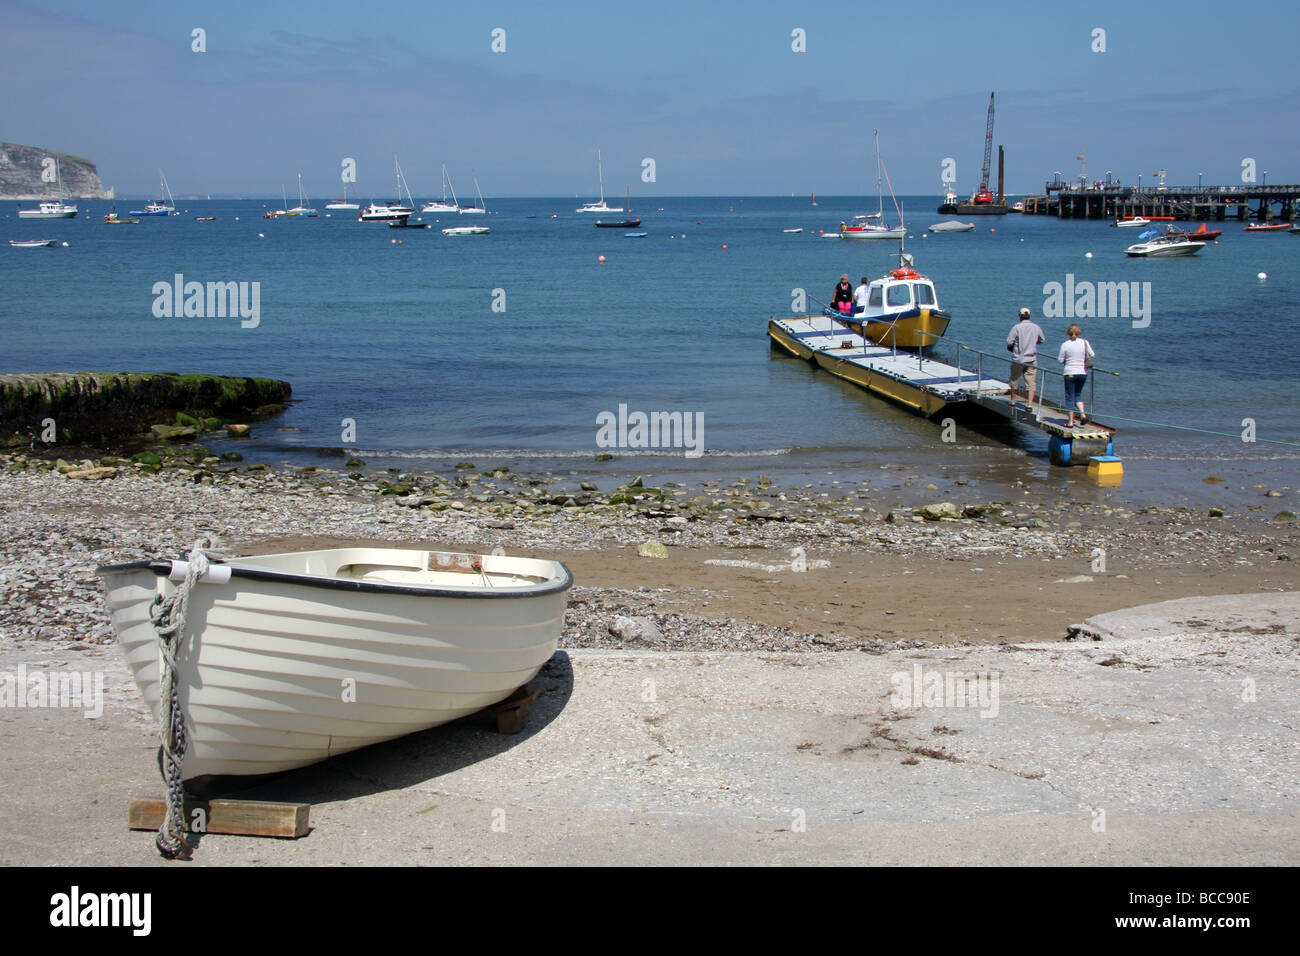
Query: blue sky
point(712, 92)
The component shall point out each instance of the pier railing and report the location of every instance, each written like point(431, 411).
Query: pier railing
point(978, 365)
point(1040, 385)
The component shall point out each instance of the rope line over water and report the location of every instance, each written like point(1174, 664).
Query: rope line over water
point(1203, 431)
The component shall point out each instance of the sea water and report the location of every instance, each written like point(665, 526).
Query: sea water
point(508, 348)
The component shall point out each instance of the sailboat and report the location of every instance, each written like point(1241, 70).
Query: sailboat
point(393, 209)
point(622, 223)
point(868, 230)
point(282, 211)
point(342, 203)
point(813, 200)
point(441, 205)
point(481, 208)
point(599, 206)
point(160, 207)
point(302, 209)
point(56, 209)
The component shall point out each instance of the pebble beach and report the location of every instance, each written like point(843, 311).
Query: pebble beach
point(739, 565)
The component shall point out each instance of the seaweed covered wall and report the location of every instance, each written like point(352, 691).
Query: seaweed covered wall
point(89, 406)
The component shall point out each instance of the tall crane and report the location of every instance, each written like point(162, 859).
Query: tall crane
point(984, 195)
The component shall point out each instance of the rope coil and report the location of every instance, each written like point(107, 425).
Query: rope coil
point(168, 617)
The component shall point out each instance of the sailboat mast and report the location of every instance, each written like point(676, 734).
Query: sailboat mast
point(880, 197)
point(600, 172)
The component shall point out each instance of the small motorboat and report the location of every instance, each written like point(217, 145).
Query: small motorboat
point(620, 224)
point(792, 230)
point(635, 235)
point(384, 212)
point(113, 219)
point(466, 231)
point(50, 210)
point(1017, 207)
point(31, 243)
point(1266, 227)
point(1130, 222)
point(287, 659)
point(1164, 246)
point(902, 310)
point(1199, 234)
point(952, 225)
point(205, 218)
point(404, 224)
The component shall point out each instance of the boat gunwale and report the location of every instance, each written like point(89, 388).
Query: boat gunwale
point(162, 568)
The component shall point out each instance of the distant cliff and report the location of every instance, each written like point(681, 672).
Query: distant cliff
point(21, 170)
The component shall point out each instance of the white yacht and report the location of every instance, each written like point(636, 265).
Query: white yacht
point(394, 209)
point(599, 207)
point(480, 209)
point(441, 205)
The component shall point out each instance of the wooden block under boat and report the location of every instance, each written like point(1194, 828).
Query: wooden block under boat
point(235, 817)
point(510, 713)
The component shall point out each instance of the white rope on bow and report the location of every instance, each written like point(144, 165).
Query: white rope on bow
point(168, 616)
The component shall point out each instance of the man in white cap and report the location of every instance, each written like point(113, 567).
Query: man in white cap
point(1023, 344)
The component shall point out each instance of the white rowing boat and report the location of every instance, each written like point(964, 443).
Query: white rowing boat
point(288, 659)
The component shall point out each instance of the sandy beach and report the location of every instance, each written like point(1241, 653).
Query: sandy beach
point(753, 631)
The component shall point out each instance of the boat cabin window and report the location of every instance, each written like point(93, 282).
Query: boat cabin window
point(924, 293)
point(873, 300)
point(900, 294)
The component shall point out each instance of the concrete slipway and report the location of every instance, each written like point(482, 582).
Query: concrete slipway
point(1170, 740)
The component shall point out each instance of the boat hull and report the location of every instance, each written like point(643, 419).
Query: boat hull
point(979, 209)
point(1164, 250)
point(881, 374)
point(874, 233)
point(36, 214)
point(282, 671)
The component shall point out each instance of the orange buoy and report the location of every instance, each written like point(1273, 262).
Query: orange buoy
point(600, 258)
point(724, 245)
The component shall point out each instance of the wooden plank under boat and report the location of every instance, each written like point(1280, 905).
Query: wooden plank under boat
point(293, 658)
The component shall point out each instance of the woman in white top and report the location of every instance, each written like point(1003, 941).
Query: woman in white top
point(1076, 355)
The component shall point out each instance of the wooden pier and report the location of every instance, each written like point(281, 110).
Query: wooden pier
point(1067, 200)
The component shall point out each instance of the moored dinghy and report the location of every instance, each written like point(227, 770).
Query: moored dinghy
point(288, 659)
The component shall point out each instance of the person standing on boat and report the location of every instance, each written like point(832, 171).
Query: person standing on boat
point(843, 300)
point(1023, 344)
point(1076, 355)
point(860, 296)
